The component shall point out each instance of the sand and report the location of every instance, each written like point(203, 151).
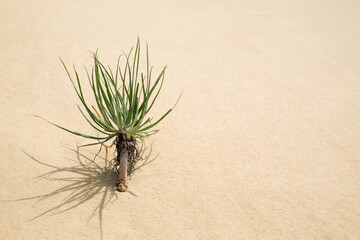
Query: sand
point(264, 143)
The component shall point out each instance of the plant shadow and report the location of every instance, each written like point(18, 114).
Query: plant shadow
point(83, 182)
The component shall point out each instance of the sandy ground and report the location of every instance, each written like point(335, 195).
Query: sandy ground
point(264, 143)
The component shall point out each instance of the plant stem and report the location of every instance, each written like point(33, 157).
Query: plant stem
point(122, 176)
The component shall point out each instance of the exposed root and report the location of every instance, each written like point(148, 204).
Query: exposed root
point(134, 154)
point(130, 145)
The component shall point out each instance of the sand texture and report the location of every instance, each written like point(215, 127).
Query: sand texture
point(264, 143)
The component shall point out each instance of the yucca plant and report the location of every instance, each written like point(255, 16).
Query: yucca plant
point(124, 98)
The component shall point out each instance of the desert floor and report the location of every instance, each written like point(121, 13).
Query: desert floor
point(264, 143)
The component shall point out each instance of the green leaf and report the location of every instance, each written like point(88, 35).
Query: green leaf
point(73, 132)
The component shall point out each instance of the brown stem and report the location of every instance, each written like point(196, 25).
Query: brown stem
point(123, 183)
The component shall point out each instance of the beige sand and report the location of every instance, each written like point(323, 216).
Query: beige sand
point(264, 143)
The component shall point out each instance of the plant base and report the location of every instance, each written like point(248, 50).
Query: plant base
point(125, 160)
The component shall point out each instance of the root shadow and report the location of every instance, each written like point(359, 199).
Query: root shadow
point(83, 182)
